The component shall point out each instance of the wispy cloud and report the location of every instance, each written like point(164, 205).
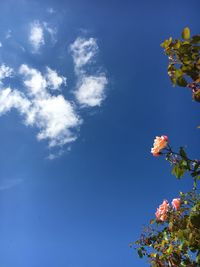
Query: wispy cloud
point(6, 184)
point(51, 10)
point(5, 72)
point(55, 155)
point(83, 51)
point(8, 34)
point(90, 90)
point(52, 31)
point(36, 36)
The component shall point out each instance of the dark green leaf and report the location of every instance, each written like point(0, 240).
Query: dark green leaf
point(181, 82)
point(195, 220)
point(195, 173)
point(182, 153)
point(140, 252)
point(195, 39)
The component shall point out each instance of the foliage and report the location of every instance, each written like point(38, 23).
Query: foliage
point(184, 61)
point(181, 164)
point(173, 236)
point(175, 241)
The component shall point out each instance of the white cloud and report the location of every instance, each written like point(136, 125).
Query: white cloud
point(1, 44)
point(40, 102)
point(38, 33)
point(5, 72)
point(91, 90)
point(54, 116)
point(36, 36)
point(54, 81)
point(37, 84)
point(34, 81)
point(83, 50)
point(13, 99)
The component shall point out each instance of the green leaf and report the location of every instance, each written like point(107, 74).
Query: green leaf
point(180, 234)
point(178, 73)
point(181, 82)
point(198, 258)
point(186, 33)
point(196, 166)
point(170, 249)
point(195, 220)
point(195, 173)
point(195, 39)
point(186, 233)
point(177, 44)
point(139, 251)
point(182, 153)
point(184, 164)
point(196, 48)
point(170, 225)
point(166, 43)
point(177, 171)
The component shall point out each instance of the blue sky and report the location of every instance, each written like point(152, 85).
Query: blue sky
point(83, 93)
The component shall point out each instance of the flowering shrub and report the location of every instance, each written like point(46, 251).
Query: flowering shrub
point(172, 238)
point(174, 241)
point(184, 61)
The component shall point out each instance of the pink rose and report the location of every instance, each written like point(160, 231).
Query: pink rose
point(161, 213)
point(176, 203)
point(160, 142)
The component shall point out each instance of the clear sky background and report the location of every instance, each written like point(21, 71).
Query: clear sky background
point(84, 91)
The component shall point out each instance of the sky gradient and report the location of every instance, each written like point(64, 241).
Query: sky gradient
point(84, 90)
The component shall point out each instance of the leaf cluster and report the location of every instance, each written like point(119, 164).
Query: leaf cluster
point(182, 164)
point(184, 61)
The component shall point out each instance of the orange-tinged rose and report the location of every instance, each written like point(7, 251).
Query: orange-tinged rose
point(176, 203)
point(161, 213)
point(160, 142)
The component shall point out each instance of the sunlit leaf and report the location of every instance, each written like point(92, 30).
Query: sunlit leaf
point(186, 33)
